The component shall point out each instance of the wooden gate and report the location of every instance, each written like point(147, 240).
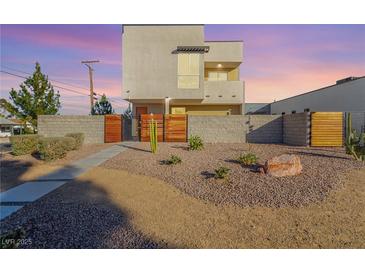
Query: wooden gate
point(327, 129)
point(145, 126)
point(175, 128)
point(113, 128)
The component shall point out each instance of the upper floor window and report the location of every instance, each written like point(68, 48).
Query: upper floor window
point(188, 70)
point(217, 76)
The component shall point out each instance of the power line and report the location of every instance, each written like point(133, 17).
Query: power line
point(68, 89)
point(64, 83)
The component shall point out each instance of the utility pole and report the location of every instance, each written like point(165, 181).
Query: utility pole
point(88, 64)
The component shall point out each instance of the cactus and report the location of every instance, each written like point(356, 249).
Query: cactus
point(153, 136)
point(354, 140)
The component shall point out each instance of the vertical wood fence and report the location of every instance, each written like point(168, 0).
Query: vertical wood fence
point(113, 128)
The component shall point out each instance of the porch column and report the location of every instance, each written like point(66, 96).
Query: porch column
point(167, 105)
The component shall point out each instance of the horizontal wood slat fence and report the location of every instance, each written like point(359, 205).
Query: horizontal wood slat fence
point(175, 127)
point(145, 126)
point(170, 127)
point(327, 129)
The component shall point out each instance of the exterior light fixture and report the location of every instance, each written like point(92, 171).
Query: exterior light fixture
point(219, 66)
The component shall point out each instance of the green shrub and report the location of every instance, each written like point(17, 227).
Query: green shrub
point(79, 138)
point(173, 160)
point(221, 172)
point(53, 148)
point(24, 144)
point(195, 143)
point(248, 159)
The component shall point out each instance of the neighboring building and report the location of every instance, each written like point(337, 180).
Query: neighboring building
point(6, 127)
point(171, 69)
point(347, 95)
point(257, 108)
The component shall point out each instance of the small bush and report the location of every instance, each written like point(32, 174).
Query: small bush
point(174, 159)
point(79, 138)
point(53, 148)
point(24, 144)
point(248, 159)
point(221, 172)
point(195, 143)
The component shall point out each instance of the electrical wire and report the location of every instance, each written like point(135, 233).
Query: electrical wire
point(60, 87)
point(71, 85)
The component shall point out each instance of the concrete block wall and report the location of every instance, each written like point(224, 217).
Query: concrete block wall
point(264, 129)
point(296, 129)
point(218, 129)
point(59, 125)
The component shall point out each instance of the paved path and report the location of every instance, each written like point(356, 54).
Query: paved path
point(15, 198)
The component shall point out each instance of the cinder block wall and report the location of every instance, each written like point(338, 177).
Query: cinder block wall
point(218, 129)
point(296, 129)
point(59, 125)
point(264, 129)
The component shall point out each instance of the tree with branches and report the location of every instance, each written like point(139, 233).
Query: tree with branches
point(35, 97)
point(102, 107)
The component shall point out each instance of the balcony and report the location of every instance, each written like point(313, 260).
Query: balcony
point(223, 92)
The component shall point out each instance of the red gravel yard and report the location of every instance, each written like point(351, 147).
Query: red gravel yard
point(322, 171)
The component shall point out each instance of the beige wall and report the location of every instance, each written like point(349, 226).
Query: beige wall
point(150, 64)
point(224, 51)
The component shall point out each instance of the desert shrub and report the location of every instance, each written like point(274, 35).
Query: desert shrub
point(248, 159)
point(195, 143)
point(24, 144)
point(53, 148)
point(79, 138)
point(173, 160)
point(221, 172)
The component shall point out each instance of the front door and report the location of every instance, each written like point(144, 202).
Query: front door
point(139, 112)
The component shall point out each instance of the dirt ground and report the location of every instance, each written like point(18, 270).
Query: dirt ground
point(15, 170)
point(101, 202)
point(322, 169)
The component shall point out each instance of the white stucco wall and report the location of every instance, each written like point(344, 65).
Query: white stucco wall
point(344, 97)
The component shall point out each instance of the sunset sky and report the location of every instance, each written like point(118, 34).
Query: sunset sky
point(279, 60)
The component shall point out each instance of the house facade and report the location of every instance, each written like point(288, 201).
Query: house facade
point(171, 69)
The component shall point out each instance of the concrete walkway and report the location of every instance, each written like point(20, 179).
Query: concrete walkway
point(15, 198)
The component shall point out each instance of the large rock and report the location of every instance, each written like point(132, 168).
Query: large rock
point(283, 165)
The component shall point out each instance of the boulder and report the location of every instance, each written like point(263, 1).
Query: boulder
point(283, 165)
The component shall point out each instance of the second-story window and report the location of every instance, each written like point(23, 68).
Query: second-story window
point(217, 76)
point(188, 70)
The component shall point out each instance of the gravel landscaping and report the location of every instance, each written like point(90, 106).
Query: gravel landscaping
point(16, 170)
point(322, 171)
point(77, 215)
point(109, 208)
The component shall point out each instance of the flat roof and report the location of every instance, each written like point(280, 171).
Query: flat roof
point(160, 25)
point(218, 41)
point(305, 93)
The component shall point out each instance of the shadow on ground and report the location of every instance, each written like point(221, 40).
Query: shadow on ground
point(77, 215)
point(11, 172)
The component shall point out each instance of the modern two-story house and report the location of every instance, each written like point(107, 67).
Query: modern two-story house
point(171, 69)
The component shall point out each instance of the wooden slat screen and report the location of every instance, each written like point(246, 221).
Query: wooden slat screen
point(113, 128)
point(327, 129)
point(175, 127)
point(145, 126)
